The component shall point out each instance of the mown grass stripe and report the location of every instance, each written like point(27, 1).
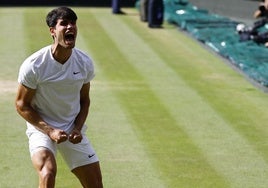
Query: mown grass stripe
point(12, 50)
point(13, 134)
point(159, 135)
point(37, 35)
point(121, 153)
point(226, 149)
point(16, 169)
point(239, 103)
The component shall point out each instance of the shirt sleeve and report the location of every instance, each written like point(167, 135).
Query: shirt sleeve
point(90, 71)
point(27, 75)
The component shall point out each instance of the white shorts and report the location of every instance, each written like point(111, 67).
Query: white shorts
point(75, 155)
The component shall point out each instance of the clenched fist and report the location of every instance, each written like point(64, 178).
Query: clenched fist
point(58, 135)
point(75, 137)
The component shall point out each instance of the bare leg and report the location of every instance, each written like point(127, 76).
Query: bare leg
point(89, 175)
point(45, 164)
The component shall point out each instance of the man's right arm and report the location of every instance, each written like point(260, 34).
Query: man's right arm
point(24, 108)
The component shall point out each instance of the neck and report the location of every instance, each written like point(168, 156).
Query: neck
point(60, 54)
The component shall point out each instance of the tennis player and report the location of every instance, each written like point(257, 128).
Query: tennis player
point(53, 98)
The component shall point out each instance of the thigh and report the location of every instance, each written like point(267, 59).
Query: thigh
point(44, 161)
point(39, 141)
point(42, 150)
point(76, 155)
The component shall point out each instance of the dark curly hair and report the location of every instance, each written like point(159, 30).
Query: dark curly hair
point(60, 13)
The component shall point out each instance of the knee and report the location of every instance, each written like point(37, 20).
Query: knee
point(47, 175)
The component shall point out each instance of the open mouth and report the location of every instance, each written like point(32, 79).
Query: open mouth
point(70, 37)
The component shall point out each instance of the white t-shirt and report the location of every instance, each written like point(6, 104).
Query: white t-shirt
point(57, 98)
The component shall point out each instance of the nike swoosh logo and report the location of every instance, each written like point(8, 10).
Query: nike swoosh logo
point(76, 72)
point(89, 156)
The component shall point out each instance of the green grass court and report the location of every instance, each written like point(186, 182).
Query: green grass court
point(165, 112)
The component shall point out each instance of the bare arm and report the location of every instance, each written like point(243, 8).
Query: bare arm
point(266, 4)
point(24, 108)
point(75, 136)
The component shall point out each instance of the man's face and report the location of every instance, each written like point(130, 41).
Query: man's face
point(64, 33)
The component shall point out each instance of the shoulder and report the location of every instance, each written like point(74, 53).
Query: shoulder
point(85, 64)
point(37, 57)
point(30, 67)
point(82, 58)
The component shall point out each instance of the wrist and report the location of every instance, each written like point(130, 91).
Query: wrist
point(46, 129)
point(77, 128)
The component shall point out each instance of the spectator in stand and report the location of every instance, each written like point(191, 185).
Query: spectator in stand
point(262, 10)
point(255, 33)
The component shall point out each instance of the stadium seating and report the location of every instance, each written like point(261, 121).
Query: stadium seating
point(219, 33)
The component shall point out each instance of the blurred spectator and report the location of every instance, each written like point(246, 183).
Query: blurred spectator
point(155, 13)
point(262, 10)
point(144, 10)
point(253, 33)
point(257, 33)
point(116, 7)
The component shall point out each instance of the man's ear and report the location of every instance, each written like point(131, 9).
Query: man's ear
point(52, 31)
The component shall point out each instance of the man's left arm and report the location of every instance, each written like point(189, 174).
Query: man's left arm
point(76, 137)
